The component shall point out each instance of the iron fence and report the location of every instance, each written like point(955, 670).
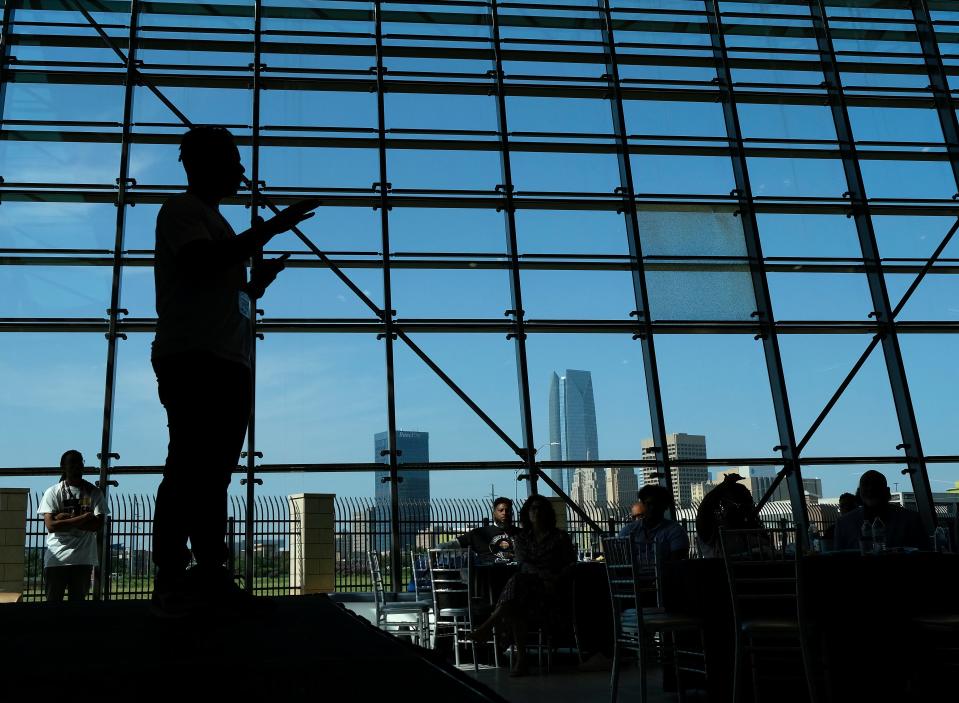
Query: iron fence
point(130, 536)
point(360, 525)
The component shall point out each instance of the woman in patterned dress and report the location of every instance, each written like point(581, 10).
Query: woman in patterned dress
point(539, 593)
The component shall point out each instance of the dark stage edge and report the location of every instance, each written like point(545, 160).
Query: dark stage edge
point(305, 645)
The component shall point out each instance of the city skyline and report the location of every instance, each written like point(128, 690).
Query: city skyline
point(573, 435)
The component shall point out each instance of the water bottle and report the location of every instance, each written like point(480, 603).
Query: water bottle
point(865, 538)
point(940, 540)
point(878, 536)
point(815, 542)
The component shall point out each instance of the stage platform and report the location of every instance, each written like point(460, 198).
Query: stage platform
point(305, 645)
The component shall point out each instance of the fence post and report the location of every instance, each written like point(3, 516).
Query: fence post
point(13, 534)
point(231, 544)
point(559, 506)
point(312, 550)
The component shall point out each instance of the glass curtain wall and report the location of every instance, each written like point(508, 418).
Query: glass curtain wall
point(717, 209)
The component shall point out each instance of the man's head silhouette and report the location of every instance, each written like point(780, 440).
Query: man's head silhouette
point(212, 162)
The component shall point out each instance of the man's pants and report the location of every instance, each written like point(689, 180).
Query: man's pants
point(208, 402)
point(74, 579)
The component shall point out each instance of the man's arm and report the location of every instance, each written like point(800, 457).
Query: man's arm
point(54, 525)
point(678, 543)
point(93, 523)
point(200, 257)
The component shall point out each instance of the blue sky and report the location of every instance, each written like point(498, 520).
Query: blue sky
point(321, 398)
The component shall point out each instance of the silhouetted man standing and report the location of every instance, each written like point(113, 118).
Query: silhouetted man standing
point(73, 512)
point(201, 355)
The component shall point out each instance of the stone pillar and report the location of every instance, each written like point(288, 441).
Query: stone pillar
point(559, 505)
point(312, 551)
point(13, 533)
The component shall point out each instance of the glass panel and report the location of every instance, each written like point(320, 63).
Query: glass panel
point(933, 379)
point(140, 433)
point(456, 293)
point(567, 373)
point(863, 422)
point(683, 286)
point(571, 232)
point(52, 399)
point(56, 161)
point(686, 175)
point(54, 291)
point(425, 403)
point(804, 236)
point(446, 230)
point(578, 295)
point(43, 225)
point(908, 179)
point(801, 295)
point(797, 177)
point(320, 398)
point(309, 291)
point(716, 386)
point(444, 169)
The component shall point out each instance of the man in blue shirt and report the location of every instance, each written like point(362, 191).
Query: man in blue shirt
point(668, 536)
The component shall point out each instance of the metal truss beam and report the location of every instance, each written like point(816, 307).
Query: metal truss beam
point(516, 313)
point(113, 334)
point(662, 471)
point(764, 311)
point(882, 310)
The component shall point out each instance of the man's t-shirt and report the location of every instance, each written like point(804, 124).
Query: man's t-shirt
point(73, 546)
point(669, 536)
point(490, 540)
point(208, 315)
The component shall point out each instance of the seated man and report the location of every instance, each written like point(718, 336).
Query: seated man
point(903, 527)
point(636, 511)
point(492, 540)
point(668, 537)
point(847, 503)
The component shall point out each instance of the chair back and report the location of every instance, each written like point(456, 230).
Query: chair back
point(761, 569)
point(450, 578)
point(633, 577)
point(379, 591)
point(420, 566)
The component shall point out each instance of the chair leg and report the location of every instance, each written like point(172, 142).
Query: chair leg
point(539, 650)
point(737, 669)
point(495, 650)
point(456, 640)
point(754, 666)
point(641, 651)
point(614, 675)
point(680, 688)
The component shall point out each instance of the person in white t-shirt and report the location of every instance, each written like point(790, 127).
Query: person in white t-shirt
point(201, 356)
point(73, 511)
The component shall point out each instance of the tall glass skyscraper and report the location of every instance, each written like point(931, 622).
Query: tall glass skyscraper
point(572, 427)
point(414, 489)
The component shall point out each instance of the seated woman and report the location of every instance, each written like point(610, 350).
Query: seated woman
point(729, 505)
point(537, 593)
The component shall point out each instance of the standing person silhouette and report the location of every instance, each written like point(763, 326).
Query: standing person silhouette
point(201, 356)
point(73, 512)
